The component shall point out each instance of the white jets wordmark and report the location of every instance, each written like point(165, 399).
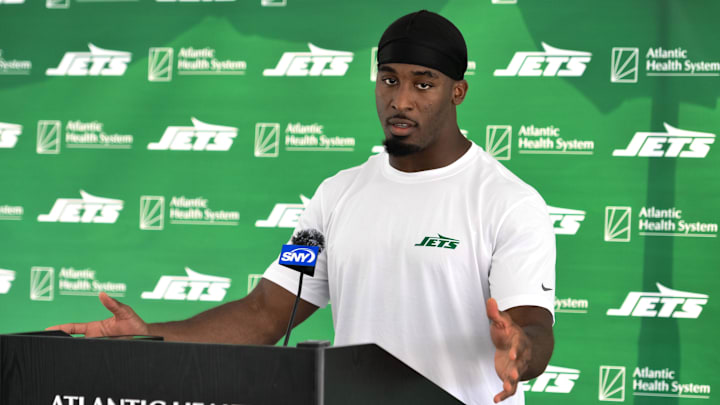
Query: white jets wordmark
point(673, 143)
point(554, 379)
point(566, 221)
point(193, 287)
point(551, 62)
point(97, 62)
point(200, 136)
point(317, 62)
point(9, 134)
point(663, 304)
point(6, 279)
point(284, 215)
point(88, 209)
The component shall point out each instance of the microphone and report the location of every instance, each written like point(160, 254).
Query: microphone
point(301, 255)
point(302, 252)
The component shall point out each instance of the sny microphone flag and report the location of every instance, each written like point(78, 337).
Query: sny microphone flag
point(300, 258)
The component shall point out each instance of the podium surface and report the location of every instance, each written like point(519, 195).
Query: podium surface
point(78, 371)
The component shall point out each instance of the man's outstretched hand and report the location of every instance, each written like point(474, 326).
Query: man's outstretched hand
point(513, 349)
point(123, 322)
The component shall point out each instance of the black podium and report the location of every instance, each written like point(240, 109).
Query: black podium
point(63, 370)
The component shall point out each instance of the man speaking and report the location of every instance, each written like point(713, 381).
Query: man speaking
point(434, 250)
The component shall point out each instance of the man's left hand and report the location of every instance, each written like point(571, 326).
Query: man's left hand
point(513, 349)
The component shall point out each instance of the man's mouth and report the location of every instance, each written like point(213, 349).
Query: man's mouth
point(401, 126)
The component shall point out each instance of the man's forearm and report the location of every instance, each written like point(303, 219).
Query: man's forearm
point(541, 348)
point(259, 318)
point(237, 322)
point(536, 324)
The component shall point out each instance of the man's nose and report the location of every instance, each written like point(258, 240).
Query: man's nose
point(403, 99)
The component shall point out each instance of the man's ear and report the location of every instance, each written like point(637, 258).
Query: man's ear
point(459, 91)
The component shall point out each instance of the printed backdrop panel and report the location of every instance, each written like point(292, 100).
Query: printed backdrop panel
point(163, 150)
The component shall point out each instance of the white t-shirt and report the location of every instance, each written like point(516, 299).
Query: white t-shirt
point(411, 259)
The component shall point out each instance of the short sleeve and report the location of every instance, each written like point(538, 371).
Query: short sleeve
point(522, 272)
point(315, 289)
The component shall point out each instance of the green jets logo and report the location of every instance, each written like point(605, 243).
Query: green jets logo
point(440, 242)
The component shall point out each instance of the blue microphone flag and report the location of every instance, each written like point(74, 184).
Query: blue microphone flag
point(299, 257)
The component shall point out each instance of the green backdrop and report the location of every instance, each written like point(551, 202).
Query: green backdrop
point(162, 151)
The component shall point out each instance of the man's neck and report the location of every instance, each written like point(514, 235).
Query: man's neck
point(434, 156)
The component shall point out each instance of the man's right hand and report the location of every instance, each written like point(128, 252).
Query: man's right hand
point(123, 322)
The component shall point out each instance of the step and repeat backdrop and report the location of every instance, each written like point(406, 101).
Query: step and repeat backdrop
point(163, 150)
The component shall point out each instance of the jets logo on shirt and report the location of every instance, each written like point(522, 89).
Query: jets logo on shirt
point(439, 241)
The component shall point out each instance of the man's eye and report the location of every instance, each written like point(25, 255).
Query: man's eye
point(389, 81)
point(424, 86)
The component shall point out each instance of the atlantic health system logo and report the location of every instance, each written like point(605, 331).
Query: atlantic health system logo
point(551, 62)
point(498, 141)
point(655, 221)
point(298, 137)
point(182, 211)
point(42, 283)
point(78, 135)
point(659, 61)
point(617, 224)
point(11, 212)
point(317, 62)
point(267, 139)
point(534, 140)
point(647, 382)
point(70, 281)
point(190, 61)
point(14, 67)
point(97, 62)
point(49, 136)
point(152, 213)
point(57, 3)
point(624, 65)
point(571, 305)
point(253, 280)
point(612, 384)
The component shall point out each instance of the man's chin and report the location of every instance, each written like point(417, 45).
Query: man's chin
point(396, 146)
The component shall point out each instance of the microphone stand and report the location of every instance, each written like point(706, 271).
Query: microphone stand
point(292, 316)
